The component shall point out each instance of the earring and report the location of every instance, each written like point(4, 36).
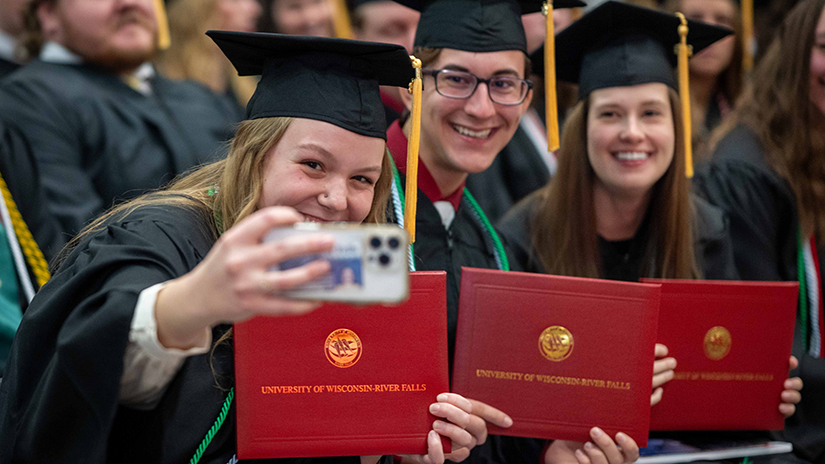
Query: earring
point(326, 195)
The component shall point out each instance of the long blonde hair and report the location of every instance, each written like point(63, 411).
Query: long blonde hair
point(194, 56)
point(236, 184)
point(563, 231)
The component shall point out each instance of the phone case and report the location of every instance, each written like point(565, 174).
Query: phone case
point(369, 263)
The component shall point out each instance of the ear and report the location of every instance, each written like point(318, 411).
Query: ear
point(527, 100)
point(407, 98)
point(49, 23)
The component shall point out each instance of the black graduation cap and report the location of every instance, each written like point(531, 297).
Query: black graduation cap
point(331, 80)
point(476, 25)
point(618, 45)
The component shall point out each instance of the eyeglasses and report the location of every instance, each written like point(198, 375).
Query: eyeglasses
point(504, 90)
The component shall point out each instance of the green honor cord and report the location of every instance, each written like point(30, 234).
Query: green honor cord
point(215, 427)
point(491, 235)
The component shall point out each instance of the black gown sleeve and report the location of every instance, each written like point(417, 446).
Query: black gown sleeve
point(514, 228)
point(760, 206)
point(59, 398)
point(53, 133)
point(20, 172)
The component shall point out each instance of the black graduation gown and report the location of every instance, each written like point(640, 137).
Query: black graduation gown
point(98, 141)
point(59, 398)
point(7, 67)
point(712, 242)
point(764, 226)
point(20, 173)
point(463, 244)
point(517, 171)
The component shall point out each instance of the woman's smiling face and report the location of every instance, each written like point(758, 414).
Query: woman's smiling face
point(630, 137)
point(325, 172)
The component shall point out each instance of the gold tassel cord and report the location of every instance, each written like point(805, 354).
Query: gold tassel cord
point(683, 52)
point(164, 37)
point(341, 20)
point(551, 105)
point(34, 256)
point(747, 35)
point(411, 191)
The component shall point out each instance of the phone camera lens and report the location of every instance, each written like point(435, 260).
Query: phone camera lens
point(384, 259)
point(375, 242)
point(393, 243)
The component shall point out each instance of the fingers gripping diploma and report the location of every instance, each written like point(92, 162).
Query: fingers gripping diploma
point(601, 449)
point(461, 420)
point(662, 372)
point(234, 282)
point(791, 395)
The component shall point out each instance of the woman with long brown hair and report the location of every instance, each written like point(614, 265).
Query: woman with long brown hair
point(620, 206)
point(768, 173)
point(114, 360)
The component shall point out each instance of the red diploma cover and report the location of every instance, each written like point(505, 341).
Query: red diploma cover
point(731, 341)
point(343, 380)
point(558, 354)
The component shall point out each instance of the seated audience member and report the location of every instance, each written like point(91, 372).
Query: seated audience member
point(112, 362)
point(193, 56)
point(389, 22)
point(768, 173)
point(474, 59)
point(620, 206)
point(102, 124)
point(11, 29)
point(27, 232)
point(299, 17)
point(716, 74)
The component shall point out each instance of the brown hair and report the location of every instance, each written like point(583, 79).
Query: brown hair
point(239, 182)
point(194, 56)
point(563, 232)
point(776, 105)
point(32, 40)
point(730, 81)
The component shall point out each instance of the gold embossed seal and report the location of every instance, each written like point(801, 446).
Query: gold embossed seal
point(717, 343)
point(556, 343)
point(343, 348)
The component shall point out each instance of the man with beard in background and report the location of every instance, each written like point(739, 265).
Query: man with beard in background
point(102, 124)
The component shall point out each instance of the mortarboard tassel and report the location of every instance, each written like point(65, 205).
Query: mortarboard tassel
point(164, 37)
point(550, 104)
point(340, 19)
point(747, 35)
point(411, 193)
point(683, 51)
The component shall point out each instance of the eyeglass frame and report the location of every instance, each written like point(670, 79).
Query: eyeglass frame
point(479, 80)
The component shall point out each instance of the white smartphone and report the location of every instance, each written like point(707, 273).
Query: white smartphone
point(369, 263)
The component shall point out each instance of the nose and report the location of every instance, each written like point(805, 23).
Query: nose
point(632, 131)
point(479, 103)
point(334, 197)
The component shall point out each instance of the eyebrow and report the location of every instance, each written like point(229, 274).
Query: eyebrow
point(500, 72)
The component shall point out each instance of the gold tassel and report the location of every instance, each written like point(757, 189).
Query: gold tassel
point(34, 256)
point(340, 19)
point(684, 52)
point(747, 35)
point(411, 191)
point(550, 103)
point(164, 38)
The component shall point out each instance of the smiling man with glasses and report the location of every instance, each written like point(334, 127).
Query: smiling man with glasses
point(475, 65)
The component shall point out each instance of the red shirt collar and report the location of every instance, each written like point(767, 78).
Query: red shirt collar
point(397, 144)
